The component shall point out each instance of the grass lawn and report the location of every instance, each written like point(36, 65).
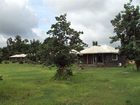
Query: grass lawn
point(26, 84)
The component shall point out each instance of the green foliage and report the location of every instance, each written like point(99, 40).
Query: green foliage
point(34, 50)
point(5, 53)
point(1, 56)
point(21, 62)
point(127, 28)
point(17, 45)
point(6, 62)
point(62, 39)
point(54, 50)
point(1, 77)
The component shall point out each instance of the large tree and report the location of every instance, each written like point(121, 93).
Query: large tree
point(62, 39)
point(127, 28)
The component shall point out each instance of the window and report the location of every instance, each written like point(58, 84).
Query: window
point(114, 57)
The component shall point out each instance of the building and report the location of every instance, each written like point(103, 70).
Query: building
point(101, 55)
point(18, 57)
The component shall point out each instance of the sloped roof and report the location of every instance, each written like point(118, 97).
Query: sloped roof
point(99, 49)
point(74, 51)
point(18, 56)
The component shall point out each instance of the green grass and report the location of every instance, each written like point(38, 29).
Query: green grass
point(26, 84)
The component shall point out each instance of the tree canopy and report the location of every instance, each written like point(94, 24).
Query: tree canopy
point(127, 28)
point(17, 45)
point(62, 39)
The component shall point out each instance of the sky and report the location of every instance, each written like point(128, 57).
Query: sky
point(33, 18)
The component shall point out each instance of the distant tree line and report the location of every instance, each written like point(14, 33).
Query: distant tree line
point(18, 45)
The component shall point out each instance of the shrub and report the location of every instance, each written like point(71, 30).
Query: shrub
point(6, 62)
point(0, 60)
point(21, 62)
point(13, 61)
point(1, 77)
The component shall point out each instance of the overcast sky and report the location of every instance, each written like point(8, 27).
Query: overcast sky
point(32, 18)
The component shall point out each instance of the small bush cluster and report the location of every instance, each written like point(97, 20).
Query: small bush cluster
point(21, 62)
point(6, 62)
point(1, 77)
point(0, 61)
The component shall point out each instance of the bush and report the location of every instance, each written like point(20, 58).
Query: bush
point(6, 62)
point(13, 61)
point(0, 60)
point(21, 62)
point(1, 78)
point(69, 71)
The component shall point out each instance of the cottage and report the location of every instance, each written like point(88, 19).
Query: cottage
point(18, 57)
point(101, 55)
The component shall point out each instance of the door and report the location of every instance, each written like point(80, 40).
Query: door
point(99, 58)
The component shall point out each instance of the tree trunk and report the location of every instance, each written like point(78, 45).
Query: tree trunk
point(137, 65)
point(63, 73)
point(124, 61)
point(60, 74)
